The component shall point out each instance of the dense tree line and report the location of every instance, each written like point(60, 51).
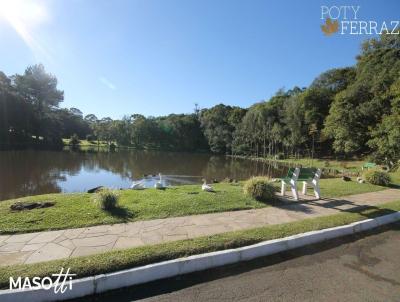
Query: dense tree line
point(346, 112)
point(30, 116)
point(30, 113)
point(173, 132)
point(352, 111)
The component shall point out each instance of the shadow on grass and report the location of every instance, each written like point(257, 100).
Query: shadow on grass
point(121, 213)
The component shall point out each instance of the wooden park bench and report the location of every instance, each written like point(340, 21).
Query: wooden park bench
point(368, 166)
point(309, 177)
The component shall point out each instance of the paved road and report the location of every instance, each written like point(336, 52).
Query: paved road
point(358, 268)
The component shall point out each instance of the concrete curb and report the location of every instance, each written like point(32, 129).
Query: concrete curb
point(101, 283)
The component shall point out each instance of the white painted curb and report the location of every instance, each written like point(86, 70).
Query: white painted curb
point(101, 283)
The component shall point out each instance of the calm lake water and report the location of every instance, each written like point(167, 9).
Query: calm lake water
point(31, 172)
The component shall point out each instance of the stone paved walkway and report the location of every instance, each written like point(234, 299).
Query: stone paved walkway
point(50, 245)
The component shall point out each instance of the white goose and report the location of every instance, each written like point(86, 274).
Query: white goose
point(206, 187)
point(360, 180)
point(159, 184)
point(137, 185)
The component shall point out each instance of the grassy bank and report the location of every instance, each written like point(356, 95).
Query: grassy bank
point(331, 164)
point(346, 165)
point(395, 176)
point(86, 143)
point(123, 259)
point(79, 209)
point(336, 187)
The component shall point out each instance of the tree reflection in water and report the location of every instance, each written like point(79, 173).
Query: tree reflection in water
point(31, 172)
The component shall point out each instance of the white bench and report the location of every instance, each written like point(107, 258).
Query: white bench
point(291, 180)
point(314, 183)
point(309, 177)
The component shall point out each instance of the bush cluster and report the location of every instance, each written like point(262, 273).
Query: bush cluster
point(74, 140)
point(379, 178)
point(107, 199)
point(260, 188)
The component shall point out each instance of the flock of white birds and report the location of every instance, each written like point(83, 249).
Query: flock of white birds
point(139, 185)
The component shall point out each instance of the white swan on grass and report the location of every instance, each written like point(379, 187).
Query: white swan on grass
point(206, 187)
point(159, 184)
point(360, 180)
point(137, 186)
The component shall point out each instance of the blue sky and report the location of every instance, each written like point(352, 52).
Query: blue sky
point(157, 57)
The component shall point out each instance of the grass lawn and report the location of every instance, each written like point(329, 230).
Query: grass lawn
point(86, 143)
point(336, 187)
point(79, 209)
point(123, 259)
point(349, 165)
point(395, 176)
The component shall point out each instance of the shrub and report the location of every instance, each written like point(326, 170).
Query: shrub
point(74, 141)
point(55, 143)
point(90, 137)
point(377, 177)
point(260, 188)
point(107, 199)
point(396, 167)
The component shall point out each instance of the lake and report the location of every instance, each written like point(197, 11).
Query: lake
point(32, 172)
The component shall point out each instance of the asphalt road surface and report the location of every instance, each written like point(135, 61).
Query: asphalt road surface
point(358, 268)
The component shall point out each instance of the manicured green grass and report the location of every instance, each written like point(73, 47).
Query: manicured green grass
point(348, 165)
point(395, 177)
point(336, 187)
point(80, 210)
point(129, 258)
point(86, 143)
point(352, 165)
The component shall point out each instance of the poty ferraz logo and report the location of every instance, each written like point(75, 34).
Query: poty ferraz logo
point(347, 17)
point(62, 282)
